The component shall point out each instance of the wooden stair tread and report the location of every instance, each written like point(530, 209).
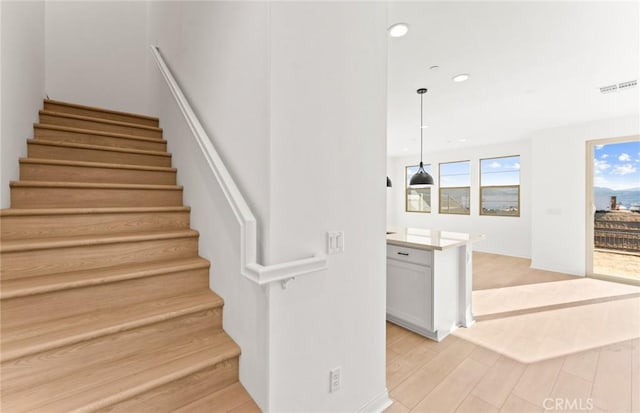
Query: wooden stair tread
point(98, 109)
point(62, 162)
point(96, 147)
point(84, 240)
point(104, 383)
point(95, 132)
point(76, 279)
point(54, 184)
point(72, 211)
point(28, 339)
point(224, 400)
point(98, 120)
point(32, 371)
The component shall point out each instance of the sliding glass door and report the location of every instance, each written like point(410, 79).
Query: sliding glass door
point(613, 209)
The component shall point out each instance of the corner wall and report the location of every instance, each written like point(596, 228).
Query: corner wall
point(293, 96)
point(559, 191)
point(22, 83)
point(505, 235)
point(96, 53)
point(328, 146)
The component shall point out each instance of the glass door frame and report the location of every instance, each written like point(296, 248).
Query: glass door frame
point(589, 209)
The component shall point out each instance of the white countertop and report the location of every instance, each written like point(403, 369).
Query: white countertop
point(429, 239)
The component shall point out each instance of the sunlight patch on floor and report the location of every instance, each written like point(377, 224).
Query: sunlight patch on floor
point(538, 336)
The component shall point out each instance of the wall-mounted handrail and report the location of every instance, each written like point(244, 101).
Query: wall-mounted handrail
point(258, 273)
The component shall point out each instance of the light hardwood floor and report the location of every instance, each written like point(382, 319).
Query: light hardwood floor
point(495, 271)
point(456, 375)
point(485, 368)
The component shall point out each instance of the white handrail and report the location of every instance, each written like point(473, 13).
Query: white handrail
point(248, 237)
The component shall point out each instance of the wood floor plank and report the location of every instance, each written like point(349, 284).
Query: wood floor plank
point(452, 391)
point(515, 404)
point(473, 404)
point(572, 391)
point(612, 383)
point(428, 377)
point(496, 386)
point(582, 364)
point(635, 376)
point(537, 381)
point(485, 356)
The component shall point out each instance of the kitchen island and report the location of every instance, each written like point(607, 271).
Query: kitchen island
point(429, 280)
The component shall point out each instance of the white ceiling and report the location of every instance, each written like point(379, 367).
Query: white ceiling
point(533, 65)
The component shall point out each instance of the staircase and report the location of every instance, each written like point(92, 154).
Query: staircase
point(105, 303)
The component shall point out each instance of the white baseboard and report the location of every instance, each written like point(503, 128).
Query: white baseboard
point(378, 404)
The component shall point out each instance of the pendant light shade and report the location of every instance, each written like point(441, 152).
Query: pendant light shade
point(421, 177)
point(389, 182)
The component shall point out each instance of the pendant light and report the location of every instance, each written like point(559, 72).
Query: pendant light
point(389, 182)
point(421, 177)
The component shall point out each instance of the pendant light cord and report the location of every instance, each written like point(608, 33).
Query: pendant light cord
point(421, 96)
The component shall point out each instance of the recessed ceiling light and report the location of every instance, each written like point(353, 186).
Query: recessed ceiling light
point(462, 140)
point(460, 78)
point(424, 126)
point(398, 29)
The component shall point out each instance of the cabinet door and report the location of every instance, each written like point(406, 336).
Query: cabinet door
point(409, 293)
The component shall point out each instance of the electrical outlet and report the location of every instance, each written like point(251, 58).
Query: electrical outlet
point(335, 379)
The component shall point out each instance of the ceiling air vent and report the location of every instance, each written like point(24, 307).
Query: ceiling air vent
point(609, 89)
point(627, 85)
point(620, 86)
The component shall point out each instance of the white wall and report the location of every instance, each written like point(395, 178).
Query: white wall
point(21, 83)
point(218, 53)
point(505, 235)
point(96, 53)
point(293, 96)
point(328, 112)
point(558, 191)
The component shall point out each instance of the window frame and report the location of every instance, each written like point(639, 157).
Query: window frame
point(440, 188)
point(481, 187)
point(406, 192)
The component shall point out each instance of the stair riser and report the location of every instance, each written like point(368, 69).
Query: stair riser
point(30, 370)
point(65, 303)
point(99, 126)
point(23, 264)
point(41, 226)
point(178, 393)
point(95, 155)
point(72, 110)
point(69, 197)
point(52, 135)
point(65, 173)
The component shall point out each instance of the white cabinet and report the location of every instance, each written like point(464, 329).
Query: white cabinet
point(424, 292)
point(410, 288)
point(409, 292)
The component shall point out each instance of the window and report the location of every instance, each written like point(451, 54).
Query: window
point(455, 182)
point(417, 199)
point(500, 186)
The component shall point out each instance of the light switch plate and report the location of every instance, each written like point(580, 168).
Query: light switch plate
point(335, 242)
